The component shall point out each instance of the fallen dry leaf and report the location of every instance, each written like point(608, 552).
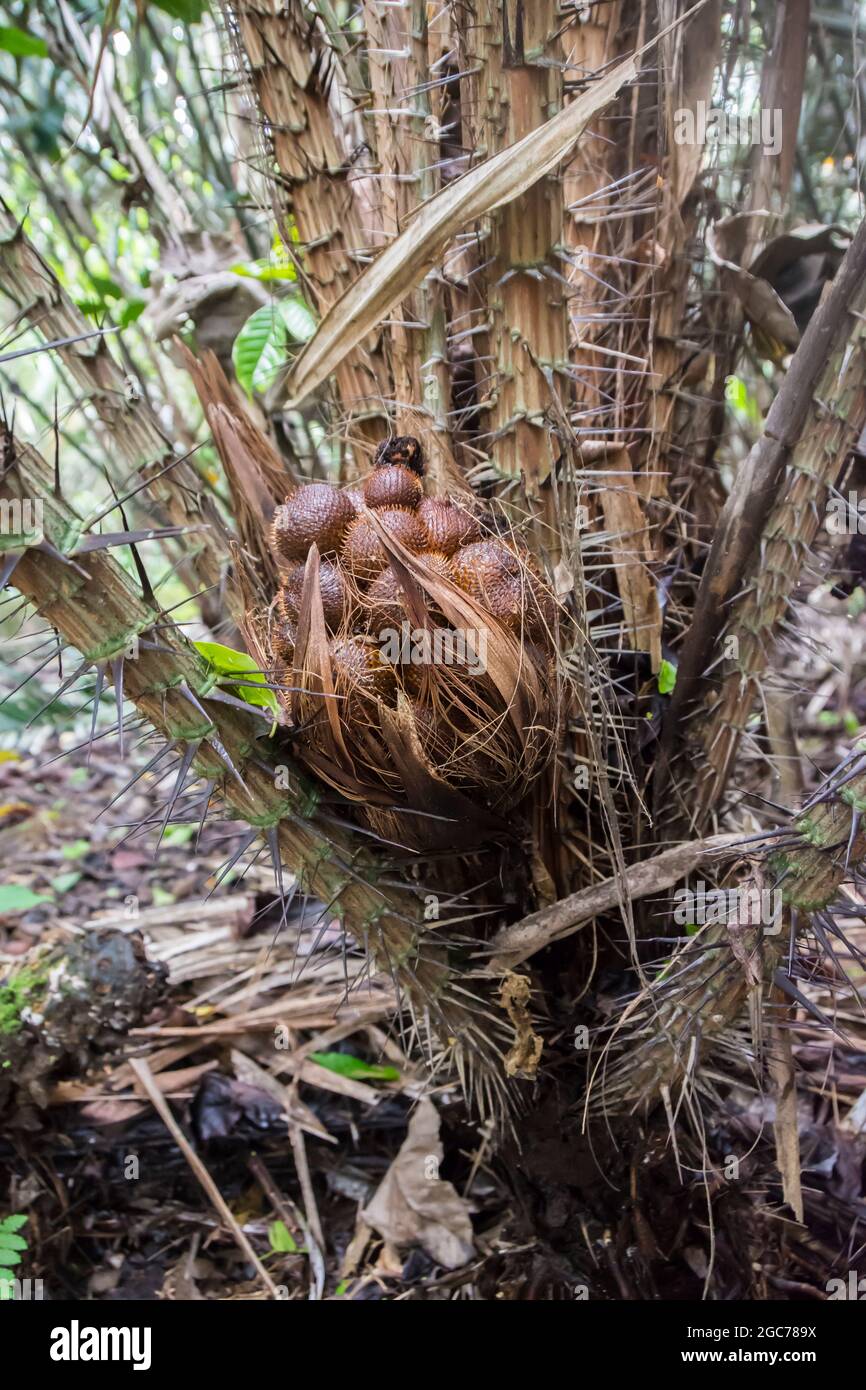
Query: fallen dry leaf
point(414, 1206)
point(727, 240)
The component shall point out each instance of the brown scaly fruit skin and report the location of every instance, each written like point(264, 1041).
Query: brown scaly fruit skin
point(384, 597)
point(492, 573)
point(396, 486)
point(384, 601)
point(488, 571)
point(282, 637)
point(315, 513)
point(359, 669)
point(403, 449)
point(449, 527)
point(332, 584)
point(362, 552)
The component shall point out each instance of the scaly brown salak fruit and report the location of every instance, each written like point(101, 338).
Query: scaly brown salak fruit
point(415, 642)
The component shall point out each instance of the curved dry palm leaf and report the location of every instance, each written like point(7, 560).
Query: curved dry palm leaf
point(499, 180)
point(404, 263)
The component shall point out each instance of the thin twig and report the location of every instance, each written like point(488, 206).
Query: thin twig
point(160, 1105)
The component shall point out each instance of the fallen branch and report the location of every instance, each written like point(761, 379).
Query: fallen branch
point(516, 943)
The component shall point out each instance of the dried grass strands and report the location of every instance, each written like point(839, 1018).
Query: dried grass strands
point(96, 608)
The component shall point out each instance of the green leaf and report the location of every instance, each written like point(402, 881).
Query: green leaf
point(857, 602)
point(16, 898)
point(178, 835)
point(14, 1222)
point(132, 310)
point(92, 307)
point(8, 1241)
point(258, 349)
point(261, 348)
point(108, 288)
point(62, 883)
point(264, 271)
point(22, 44)
point(187, 11)
point(9, 1258)
point(281, 1238)
point(742, 403)
point(77, 849)
point(225, 661)
point(667, 677)
point(346, 1065)
point(298, 319)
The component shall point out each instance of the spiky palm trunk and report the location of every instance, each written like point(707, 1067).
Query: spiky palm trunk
point(136, 445)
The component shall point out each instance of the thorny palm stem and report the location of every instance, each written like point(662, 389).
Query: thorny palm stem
point(137, 441)
point(294, 73)
point(666, 1032)
point(95, 607)
point(806, 462)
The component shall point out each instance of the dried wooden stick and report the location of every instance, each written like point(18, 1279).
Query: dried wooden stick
point(160, 1105)
point(516, 943)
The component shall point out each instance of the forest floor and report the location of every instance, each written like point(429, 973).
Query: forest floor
point(264, 1131)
